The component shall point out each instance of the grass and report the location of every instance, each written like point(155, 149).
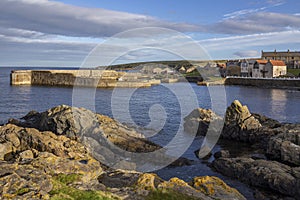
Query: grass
point(193, 74)
point(296, 72)
point(62, 191)
point(22, 191)
point(168, 195)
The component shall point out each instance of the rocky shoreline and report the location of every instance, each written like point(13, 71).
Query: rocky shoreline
point(66, 153)
point(272, 167)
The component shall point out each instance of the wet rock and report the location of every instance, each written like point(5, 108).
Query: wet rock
point(37, 157)
point(203, 153)
point(199, 121)
point(181, 162)
point(270, 175)
point(285, 146)
point(266, 121)
point(222, 154)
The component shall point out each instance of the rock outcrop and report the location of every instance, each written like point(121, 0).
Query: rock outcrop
point(273, 162)
point(199, 121)
point(285, 146)
point(46, 156)
point(106, 139)
point(270, 175)
point(31, 158)
point(144, 184)
point(239, 123)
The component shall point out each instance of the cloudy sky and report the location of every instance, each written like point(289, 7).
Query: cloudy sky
point(63, 32)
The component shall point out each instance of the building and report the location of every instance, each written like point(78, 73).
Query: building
point(291, 58)
point(259, 69)
point(233, 68)
point(269, 69)
point(250, 67)
point(244, 68)
point(275, 68)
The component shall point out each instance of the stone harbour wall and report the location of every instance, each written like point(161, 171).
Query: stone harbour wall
point(82, 78)
point(292, 83)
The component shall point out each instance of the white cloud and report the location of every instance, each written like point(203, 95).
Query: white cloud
point(247, 53)
point(252, 40)
point(261, 22)
point(51, 17)
point(243, 12)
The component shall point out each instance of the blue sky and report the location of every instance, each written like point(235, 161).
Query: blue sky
point(64, 32)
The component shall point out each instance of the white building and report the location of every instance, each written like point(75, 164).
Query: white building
point(275, 68)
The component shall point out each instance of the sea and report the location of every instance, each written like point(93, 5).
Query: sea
point(157, 111)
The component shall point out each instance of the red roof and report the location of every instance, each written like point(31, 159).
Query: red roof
point(277, 63)
point(262, 61)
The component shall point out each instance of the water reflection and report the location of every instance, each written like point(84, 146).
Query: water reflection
point(278, 104)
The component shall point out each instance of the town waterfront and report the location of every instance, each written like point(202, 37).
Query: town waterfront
point(282, 105)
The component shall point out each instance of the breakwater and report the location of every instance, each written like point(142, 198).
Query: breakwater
point(82, 78)
point(289, 83)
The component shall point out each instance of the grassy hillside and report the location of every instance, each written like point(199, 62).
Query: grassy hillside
point(295, 72)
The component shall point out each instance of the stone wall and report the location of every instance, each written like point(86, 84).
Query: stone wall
point(82, 78)
point(20, 77)
point(265, 82)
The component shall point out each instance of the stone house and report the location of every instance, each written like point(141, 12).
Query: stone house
point(275, 68)
point(244, 68)
point(259, 69)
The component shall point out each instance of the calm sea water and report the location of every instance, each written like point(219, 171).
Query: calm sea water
point(148, 107)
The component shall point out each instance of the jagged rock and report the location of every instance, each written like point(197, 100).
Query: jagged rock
point(106, 139)
point(30, 138)
point(265, 174)
point(119, 178)
point(239, 123)
point(23, 182)
point(216, 188)
point(28, 154)
point(266, 121)
point(222, 154)
point(144, 184)
point(198, 121)
point(203, 153)
point(34, 157)
point(37, 156)
point(286, 145)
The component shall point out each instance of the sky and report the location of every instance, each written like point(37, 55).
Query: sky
point(74, 33)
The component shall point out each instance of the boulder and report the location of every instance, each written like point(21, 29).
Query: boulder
point(239, 123)
point(199, 120)
point(270, 175)
point(285, 146)
point(222, 154)
point(144, 184)
point(216, 188)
